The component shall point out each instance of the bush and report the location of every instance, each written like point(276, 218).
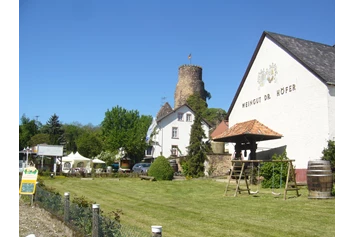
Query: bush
point(161, 169)
point(329, 155)
point(274, 173)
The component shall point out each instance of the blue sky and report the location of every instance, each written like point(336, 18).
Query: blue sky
point(80, 58)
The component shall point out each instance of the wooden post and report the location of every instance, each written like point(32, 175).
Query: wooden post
point(95, 220)
point(66, 206)
point(34, 196)
point(253, 147)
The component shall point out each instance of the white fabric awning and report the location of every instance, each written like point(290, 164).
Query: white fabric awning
point(75, 158)
point(98, 161)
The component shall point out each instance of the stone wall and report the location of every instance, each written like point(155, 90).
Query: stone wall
point(218, 165)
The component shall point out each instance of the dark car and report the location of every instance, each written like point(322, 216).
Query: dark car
point(141, 168)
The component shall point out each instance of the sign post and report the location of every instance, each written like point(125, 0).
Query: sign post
point(51, 150)
point(28, 182)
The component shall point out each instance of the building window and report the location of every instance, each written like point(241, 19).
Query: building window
point(174, 132)
point(180, 117)
point(174, 150)
point(188, 117)
point(149, 151)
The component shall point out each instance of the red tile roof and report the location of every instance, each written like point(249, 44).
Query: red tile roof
point(223, 126)
point(251, 128)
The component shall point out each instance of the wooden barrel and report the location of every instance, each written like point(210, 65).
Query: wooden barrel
point(319, 179)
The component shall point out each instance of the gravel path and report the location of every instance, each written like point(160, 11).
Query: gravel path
point(37, 221)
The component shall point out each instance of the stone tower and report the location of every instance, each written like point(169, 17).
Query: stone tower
point(189, 82)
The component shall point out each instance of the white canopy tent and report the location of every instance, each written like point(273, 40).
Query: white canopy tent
point(98, 161)
point(75, 162)
point(98, 165)
point(70, 155)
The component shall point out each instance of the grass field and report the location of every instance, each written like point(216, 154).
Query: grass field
point(199, 208)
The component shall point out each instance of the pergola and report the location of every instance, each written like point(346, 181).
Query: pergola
point(245, 135)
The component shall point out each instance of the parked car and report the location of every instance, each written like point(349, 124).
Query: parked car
point(141, 168)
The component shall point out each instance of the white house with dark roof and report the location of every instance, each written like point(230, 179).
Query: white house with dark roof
point(169, 134)
point(289, 86)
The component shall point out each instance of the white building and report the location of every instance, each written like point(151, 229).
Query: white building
point(289, 86)
point(169, 134)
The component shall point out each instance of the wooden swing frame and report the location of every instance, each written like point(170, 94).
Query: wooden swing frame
point(259, 182)
point(291, 184)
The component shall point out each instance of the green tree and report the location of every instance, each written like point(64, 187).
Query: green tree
point(214, 116)
point(71, 133)
point(40, 138)
point(123, 128)
point(108, 157)
point(89, 144)
point(197, 149)
point(53, 127)
point(27, 129)
point(197, 103)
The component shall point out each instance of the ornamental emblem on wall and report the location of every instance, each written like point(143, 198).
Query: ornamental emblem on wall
point(267, 75)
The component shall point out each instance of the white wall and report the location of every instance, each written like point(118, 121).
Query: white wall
point(164, 133)
point(331, 112)
point(301, 114)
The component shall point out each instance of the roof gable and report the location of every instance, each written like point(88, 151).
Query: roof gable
point(164, 110)
point(173, 111)
point(223, 126)
point(318, 58)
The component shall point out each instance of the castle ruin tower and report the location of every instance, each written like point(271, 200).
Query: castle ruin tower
point(189, 82)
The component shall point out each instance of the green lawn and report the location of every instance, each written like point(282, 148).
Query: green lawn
point(199, 207)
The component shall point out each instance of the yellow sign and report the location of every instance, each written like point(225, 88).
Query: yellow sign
point(28, 181)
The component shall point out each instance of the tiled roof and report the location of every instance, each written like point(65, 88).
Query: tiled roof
point(223, 126)
point(251, 128)
point(164, 110)
point(318, 58)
